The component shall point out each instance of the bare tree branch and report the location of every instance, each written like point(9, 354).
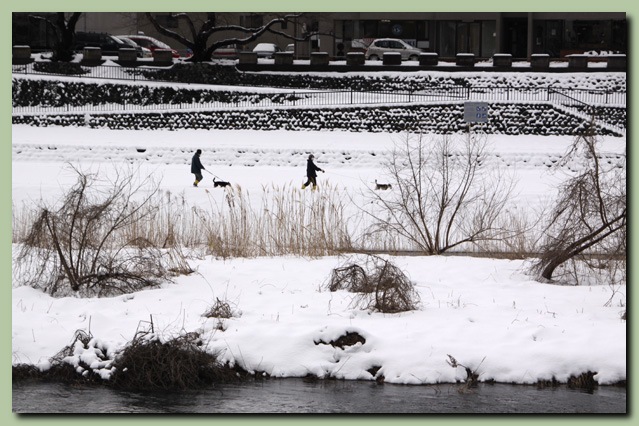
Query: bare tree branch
point(440, 203)
point(198, 43)
point(590, 212)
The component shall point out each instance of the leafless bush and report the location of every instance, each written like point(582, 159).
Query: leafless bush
point(589, 217)
point(441, 198)
point(381, 286)
point(81, 247)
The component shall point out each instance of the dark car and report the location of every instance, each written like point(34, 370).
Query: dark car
point(109, 44)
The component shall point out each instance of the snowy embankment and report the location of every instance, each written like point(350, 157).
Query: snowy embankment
point(487, 313)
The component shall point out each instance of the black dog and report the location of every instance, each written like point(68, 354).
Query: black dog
point(382, 186)
point(220, 183)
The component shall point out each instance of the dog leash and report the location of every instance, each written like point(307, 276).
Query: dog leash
point(338, 174)
point(215, 176)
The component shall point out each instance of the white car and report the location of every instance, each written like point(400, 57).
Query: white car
point(378, 47)
point(227, 52)
point(266, 50)
point(142, 52)
point(151, 43)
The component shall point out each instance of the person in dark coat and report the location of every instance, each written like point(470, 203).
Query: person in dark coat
point(197, 167)
point(311, 173)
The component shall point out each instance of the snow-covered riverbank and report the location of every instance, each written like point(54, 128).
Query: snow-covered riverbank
point(486, 313)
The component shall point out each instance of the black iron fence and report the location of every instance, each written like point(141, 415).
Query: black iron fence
point(288, 98)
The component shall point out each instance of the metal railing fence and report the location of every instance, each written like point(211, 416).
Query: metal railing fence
point(221, 98)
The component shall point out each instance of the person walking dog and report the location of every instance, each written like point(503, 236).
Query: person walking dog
point(197, 167)
point(311, 173)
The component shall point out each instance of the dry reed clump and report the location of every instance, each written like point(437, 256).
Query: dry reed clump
point(21, 372)
point(472, 377)
point(381, 286)
point(585, 381)
point(220, 309)
point(287, 221)
point(181, 363)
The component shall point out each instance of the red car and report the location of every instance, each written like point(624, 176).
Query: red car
point(151, 43)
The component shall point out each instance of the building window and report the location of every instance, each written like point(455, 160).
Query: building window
point(619, 35)
point(368, 29)
point(423, 35)
point(446, 32)
point(488, 38)
point(251, 21)
point(167, 20)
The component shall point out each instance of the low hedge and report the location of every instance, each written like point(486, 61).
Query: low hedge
point(206, 73)
point(46, 93)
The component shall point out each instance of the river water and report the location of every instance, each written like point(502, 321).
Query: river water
point(331, 396)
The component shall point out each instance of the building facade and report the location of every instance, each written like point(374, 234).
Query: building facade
point(483, 34)
point(520, 34)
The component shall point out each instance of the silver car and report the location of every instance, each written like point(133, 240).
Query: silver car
point(378, 47)
point(266, 50)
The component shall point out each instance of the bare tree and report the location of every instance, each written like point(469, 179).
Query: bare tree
point(80, 246)
point(441, 197)
point(198, 37)
point(590, 212)
point(64, 30)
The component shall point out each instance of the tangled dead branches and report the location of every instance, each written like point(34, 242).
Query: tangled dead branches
point(181, 363)
point(381, 285)
point(220, 309)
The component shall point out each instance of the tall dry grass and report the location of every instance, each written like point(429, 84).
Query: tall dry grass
point(284, 221)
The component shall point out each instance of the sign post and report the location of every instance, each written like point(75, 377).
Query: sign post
point(475, 112)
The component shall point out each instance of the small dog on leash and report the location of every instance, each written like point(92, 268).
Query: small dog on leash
point(220, 183)
point(382, 186)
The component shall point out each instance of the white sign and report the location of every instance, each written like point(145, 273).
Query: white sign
point(476, 112)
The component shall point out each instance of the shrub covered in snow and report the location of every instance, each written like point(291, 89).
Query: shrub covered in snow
point(507, 119)
point(226, 75)
point(47, 93)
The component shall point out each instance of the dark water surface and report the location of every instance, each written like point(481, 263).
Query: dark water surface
point(299, 396)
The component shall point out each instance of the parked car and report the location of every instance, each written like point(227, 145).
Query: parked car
point(142, 52)
point(227, 52)
point(266, 50)
point(151, 43)
point(380, 46)
point(110, 45)
point(290, 48)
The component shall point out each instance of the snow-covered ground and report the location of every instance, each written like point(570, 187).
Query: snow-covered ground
point(486, 313)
